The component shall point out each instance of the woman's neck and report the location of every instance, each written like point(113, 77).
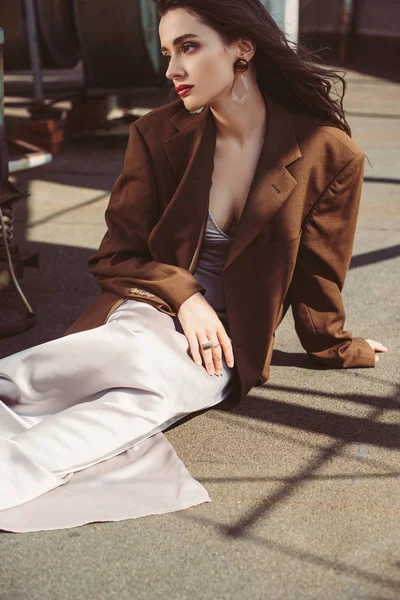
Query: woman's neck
point(240, 123)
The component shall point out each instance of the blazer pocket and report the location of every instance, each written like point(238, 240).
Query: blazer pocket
point(278, 248)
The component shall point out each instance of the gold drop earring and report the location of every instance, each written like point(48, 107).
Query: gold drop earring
point(241, 95)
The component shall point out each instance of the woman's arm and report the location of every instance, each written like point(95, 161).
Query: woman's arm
point(321, 267)
point(123, 263)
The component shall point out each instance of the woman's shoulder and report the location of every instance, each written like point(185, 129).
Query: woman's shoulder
point(319, 139)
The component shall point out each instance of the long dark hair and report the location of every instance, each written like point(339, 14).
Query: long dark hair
point(286, 72)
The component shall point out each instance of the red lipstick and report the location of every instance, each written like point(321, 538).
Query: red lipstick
point(183, 89)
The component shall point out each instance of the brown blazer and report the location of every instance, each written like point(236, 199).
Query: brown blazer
point(293, 245)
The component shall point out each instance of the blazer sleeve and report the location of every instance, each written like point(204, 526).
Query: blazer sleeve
point(321, 267)
point(123, 262)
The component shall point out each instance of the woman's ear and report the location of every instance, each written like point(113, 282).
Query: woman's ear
point(246, 48)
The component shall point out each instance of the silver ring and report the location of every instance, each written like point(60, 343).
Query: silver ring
point(207, 346)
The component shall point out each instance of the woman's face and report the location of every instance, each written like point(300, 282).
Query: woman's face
point(200, 59)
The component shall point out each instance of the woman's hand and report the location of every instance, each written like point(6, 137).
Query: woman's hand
point(201, 324)
point(377, 346)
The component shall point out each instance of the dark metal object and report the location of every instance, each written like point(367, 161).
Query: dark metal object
point(58, 86)
point(345, 29)
point(20, 258)
point(12, 260)
point(317, 16)
point(12, 19)
point(119, 42)
point(34, 50)
point(58, 36)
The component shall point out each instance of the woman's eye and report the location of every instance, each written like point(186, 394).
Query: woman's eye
point(188, 45)
point(167, 58)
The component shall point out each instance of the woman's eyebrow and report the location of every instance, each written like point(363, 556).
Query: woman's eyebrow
point(180, 39)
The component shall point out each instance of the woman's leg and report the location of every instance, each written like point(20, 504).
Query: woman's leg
point(135, 378)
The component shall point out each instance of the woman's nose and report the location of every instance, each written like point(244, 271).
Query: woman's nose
point(174, 69)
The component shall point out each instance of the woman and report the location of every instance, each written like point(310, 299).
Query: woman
point(238, 199)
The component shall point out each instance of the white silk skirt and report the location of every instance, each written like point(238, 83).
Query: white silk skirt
point(81, 420)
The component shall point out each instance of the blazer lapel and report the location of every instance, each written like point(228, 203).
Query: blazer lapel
point(191, 154)
point(272, 182)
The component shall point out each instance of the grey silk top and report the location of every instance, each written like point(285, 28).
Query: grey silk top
point(208, 272)
point(212, 259)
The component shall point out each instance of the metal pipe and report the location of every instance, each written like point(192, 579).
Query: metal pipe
point(34, 50)
point(346, 29)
